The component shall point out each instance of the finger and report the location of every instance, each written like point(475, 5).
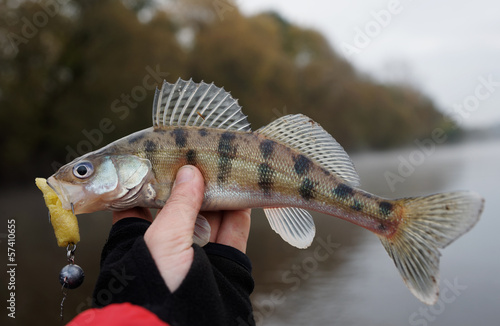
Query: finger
point(140, 212)
point(175, 221)
point(234, 229)
point(170, 236)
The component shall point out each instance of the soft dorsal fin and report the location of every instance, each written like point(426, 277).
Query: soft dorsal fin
point(308, 137)
point(186, 103)
point(294, 225)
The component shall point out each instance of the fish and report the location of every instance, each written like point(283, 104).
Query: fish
point(288, 167)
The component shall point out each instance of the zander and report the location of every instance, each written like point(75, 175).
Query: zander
point(287, 167)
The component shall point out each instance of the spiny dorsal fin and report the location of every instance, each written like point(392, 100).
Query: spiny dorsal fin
point(308, 137)
point(294, 225)
point(186, 103)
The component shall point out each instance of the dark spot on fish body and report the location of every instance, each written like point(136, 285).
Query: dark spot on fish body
point(302, 164)
point(357, 206)
point(149, 149)
point(382, 227)
point(191, 157)
point(226, 147)
point(222, 170)
point(266, 148)
point(306, 189)
point(203, 132)
point(342, 191)
point(227, 152)
point(149, 146)
point(136, 138)
point(385, 208)
point(265, 178)
point(367, 195)
point(180, 135)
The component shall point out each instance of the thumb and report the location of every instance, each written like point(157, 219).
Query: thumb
point(174, 224)
point(170, 236)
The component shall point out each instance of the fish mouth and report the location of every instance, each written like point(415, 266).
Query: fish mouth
point(61, 193)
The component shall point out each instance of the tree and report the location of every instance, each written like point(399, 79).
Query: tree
point(75, 77)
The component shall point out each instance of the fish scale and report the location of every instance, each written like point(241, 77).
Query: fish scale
point(288, 167)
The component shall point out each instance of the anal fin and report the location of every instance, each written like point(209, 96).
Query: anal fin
point(294, 225)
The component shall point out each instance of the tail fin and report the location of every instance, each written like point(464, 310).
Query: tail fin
point(430, 223)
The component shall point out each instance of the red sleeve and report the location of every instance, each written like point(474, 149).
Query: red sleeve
point(119, 314)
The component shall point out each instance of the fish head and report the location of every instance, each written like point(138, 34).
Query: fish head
point(98, 182)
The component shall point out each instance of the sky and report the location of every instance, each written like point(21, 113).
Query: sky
point(448, 49)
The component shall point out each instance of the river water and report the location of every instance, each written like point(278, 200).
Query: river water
point(357, 284)
point(344, 278)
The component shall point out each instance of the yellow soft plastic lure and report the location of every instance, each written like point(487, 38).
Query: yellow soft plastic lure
point(63, 221)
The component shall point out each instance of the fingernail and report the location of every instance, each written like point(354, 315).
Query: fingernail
point(184, 174)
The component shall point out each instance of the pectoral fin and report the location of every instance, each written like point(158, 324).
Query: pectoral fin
point(201, 235)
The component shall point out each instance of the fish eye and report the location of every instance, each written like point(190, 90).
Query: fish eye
point(83, 170)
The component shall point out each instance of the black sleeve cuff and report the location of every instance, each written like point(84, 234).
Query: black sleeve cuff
point(231, 253)
point(215, 291)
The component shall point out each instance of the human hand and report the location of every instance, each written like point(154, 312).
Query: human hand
point(170, 236)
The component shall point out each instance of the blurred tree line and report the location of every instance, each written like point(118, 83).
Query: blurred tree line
point(78, 74)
